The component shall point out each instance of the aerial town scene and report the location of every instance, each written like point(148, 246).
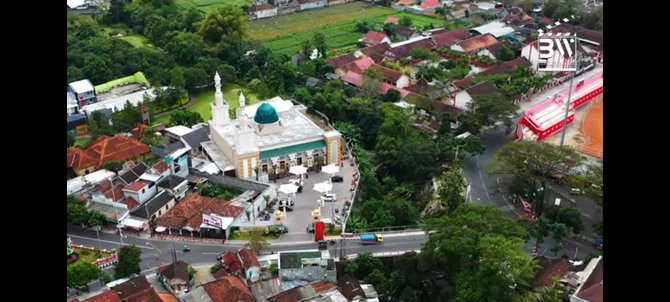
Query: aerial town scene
point(334, 150)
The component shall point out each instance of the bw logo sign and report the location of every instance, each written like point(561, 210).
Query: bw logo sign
point(557, 52)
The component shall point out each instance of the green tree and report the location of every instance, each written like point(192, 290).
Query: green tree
point(420, 53)
point(381, 283)
point(405, 21)
point(99, 125)
point(306, 46)
point(445, 126)
point(98, 69)
point(480, 251)
point(177, 78)
point(368, 117)
point(185, 118)
point(130, 257)
point(114, 166)
point(389, 29)
point(96, 218)
point(372, 82)
point(186, 48)
point(194, 78)
point(527, 5)
point(491, 108)
point(77, 213)
point(572, 218)
point(256, 241)
point(70, 139)
point(593, 20)
point(127, 118)
point(451, 189)
point(363, 265)
point(81, 274)
point(226, 23)
point(506, 53)
point(320, 44)
point(364, 26)
point(350, 132)
point(391, 96)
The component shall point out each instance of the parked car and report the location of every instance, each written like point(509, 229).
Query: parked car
point(337, 178)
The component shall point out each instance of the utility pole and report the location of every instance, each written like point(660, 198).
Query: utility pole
point(97, 233)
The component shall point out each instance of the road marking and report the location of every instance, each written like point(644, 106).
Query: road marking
point(484, 186)
point(106, 241)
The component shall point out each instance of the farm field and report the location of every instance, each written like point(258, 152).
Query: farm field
point(207, 5)
point(284, 34)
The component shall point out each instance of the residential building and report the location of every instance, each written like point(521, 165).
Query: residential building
point(311, 4)
point(132, 171)
point(474, 44)
point(88, 181)
point(404, 49)
point(116, 99)
point(113, 211)
point(450, 37)
point(268, 137)
point(307, 265)
point(265, 289)
point(259, 11)
point(392, 20)
point(552, 270)
point(591, 290)
point(192, 214)
point(226, 289)
point(374, 38)
point(175, 276)
point(83, 92)
point(464, 97)
point(358, 66)
point(174, 185)
point(137, 289)
point(252, 268)
point(341, 61)
point(306, 292)
point(495, 28)
point(405, 33)
point(182, 144)
point(140, 190)
point(155, 207)
point(106, 149)
point(393, 77)
point(507, 67)
point(107, 296)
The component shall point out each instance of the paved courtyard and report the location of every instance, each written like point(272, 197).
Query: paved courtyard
point(305, 202)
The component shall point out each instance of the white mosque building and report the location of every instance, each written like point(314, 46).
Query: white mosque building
point(272, 136)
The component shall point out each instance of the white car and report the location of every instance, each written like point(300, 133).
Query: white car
point(329, 197)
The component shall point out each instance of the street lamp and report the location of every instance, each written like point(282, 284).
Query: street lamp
point(97, 233)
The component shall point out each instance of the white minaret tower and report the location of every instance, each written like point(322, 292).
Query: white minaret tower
point(220, 110)
point(242, 100)
point(245, 137)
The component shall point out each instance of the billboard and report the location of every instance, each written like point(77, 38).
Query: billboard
point(212, 220)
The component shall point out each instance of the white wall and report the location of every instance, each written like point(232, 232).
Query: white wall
point(402, 82)
point(266, 13)
point(457, 47)
point(486, 53)
point(462, 100)
point(532, 54)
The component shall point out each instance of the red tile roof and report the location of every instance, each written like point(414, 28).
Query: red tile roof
point(337, 62)
point(147, 295)
point(482, 89)
point(477, 43)
point(227, 289)
point(359, 65)
point(161, 167)
point(592, 289)
point(249, 258)
point(556, 268)
point(78, 159)
point(290, 295)
point(462, 83)
point(353, 78)
point(406, 2)
point(404, 31)
point(131, 203)
point(221, 273)
point(108, 296)
point(322, 286)
point(404, 50)
point(116, 148)
point(232, 260)
point(507, 67)
point(420, 87)
point(115, 194)
point(386, 87)
point(188, 212)
point(139, 130)
point(389, 74)
point(430, 4)
point(450, 37)
point(136, 186)
point(374, 38)
point(392, 19)
point(379, 49)
point(168, 297)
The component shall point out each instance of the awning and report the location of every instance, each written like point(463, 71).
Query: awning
point(134, 223)
point(160, 229)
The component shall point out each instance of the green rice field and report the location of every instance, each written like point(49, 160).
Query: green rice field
point(207, 5)
point(283, 34)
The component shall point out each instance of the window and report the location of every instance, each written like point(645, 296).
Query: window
point(153, 217)
point(143, 190)
point(159, 212)
point(166, 206)
point(299, 161)
point(151, 185)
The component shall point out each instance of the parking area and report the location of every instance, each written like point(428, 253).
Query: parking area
point(305, 202)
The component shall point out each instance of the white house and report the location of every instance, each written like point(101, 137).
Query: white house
point(311, 4)
point(464, 97)
point(116, 102)
point(140, 190)
point(260, 11)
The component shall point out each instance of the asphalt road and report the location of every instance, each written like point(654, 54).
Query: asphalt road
point(206, 253)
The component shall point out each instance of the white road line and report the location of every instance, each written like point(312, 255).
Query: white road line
point(106, 241)
point(484, 186)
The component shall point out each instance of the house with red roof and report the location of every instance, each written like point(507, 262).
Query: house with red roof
point(374, 38)
point(393, 77)
point(229, 288)
point(591, 290)
point(252, 268)
point(353, 79)
point(357, 66)
point(392, 20)
point(474, 44)
point(450, 37)
point(464, 97)
point(103, 150)
point(259, 11)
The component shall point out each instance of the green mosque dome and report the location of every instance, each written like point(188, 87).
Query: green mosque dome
point(266, 114)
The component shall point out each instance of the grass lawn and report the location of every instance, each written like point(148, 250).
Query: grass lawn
point(205, 97)
point(241, 235)
point(138, 77)
point(89, 256)
point(207, 5)
point(82, 142)
point(284, 34)
point(127, 35)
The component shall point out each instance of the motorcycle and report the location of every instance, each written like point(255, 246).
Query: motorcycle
point(186, 249)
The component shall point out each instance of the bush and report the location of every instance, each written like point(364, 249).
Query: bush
point(215, 268)
point(85, 253)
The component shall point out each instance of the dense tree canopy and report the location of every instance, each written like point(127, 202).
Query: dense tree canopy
point(226, 23)
point(129, 262)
